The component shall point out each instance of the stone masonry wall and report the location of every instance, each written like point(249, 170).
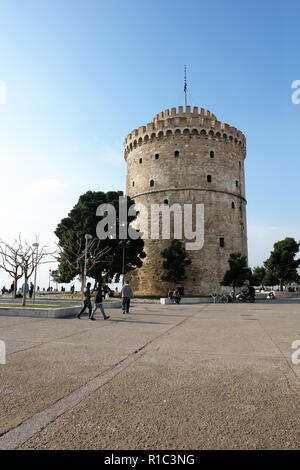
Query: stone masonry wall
point(156, 175)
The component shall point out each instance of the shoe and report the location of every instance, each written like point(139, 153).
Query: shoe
point(107, 316)
point(92, 318)
point(123, 313)
point(78, 316)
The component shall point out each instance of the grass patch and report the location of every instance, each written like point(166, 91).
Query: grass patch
point(29, 306)
point(59, 300)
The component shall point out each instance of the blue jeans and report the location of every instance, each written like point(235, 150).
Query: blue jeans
point(100, 305)
point(126, 304)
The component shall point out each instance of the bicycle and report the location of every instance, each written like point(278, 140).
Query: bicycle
point(219, 298)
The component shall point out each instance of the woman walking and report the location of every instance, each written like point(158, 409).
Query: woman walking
point(99, 296)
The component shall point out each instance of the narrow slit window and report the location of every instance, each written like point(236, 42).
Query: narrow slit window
point(222, 242)
point(132, 183)
point(232, 205)
point(166, 202)
point(212, 154)
point(237, 183)
point(156, 156)
point(141, 160)
point(151, 183)
point(209, 178)
point(176, 153)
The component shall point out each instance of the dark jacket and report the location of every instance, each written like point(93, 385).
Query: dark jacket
point(251, 291)
point(99, 296)
point(87, 295)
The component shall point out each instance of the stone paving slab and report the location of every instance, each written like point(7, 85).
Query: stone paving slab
point(48, 359)
point(180, 404)
point(165, 377)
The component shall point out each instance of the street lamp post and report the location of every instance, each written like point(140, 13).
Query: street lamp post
point(49, 279)
point(87, 238)
point(124, 244)
point(36, 246)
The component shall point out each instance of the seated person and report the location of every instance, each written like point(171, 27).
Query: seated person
point(176, 296)
point(19, 294)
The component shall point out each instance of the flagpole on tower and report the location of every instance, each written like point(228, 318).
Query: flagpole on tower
point(185, 86)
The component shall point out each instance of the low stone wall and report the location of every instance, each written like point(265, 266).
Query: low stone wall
point(186, 300)
point(60, 312)
point(59, 303)
point(38, 312)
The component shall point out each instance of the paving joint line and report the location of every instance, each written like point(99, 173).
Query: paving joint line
point(280, 351)
point(23, 432)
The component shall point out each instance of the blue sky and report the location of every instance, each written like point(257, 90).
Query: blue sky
point(80, 75)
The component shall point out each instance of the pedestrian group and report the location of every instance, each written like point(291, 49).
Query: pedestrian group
point(100, 292)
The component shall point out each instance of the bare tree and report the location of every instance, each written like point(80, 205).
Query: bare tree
point(21, 259)
point(31, 259)
point(11, 260)
point(74, 256)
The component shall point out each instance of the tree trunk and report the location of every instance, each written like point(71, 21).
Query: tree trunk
point(15, 287)
point(280, 285)
point(25, 290)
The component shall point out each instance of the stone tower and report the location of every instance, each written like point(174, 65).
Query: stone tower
point(189, 157)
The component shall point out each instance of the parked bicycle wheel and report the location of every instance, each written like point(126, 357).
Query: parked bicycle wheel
point(225, 299)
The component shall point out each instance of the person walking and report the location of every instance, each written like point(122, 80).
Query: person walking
point(127, 294)
point(31, 289)
point(86, 301)
point(99, 296)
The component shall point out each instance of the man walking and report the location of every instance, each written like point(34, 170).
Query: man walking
point(127, 294)
point(31, 289)
point(99, 295)
point(86, 301)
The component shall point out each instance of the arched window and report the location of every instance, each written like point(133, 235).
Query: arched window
point(222, 242)
point(176, 153)
point(166, 202)
point(151, 183)
point(212, 154)
point(209, 178)
point(140, 160)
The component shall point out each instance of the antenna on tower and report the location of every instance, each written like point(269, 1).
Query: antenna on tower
point(185, 86)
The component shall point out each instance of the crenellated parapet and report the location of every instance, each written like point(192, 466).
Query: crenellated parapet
point(196, 122)
point(193, 112)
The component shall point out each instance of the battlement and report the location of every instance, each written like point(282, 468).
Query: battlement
point(197, 121)
point(181, 113)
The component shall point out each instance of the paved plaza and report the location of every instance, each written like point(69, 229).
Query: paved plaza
point(208, 376)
